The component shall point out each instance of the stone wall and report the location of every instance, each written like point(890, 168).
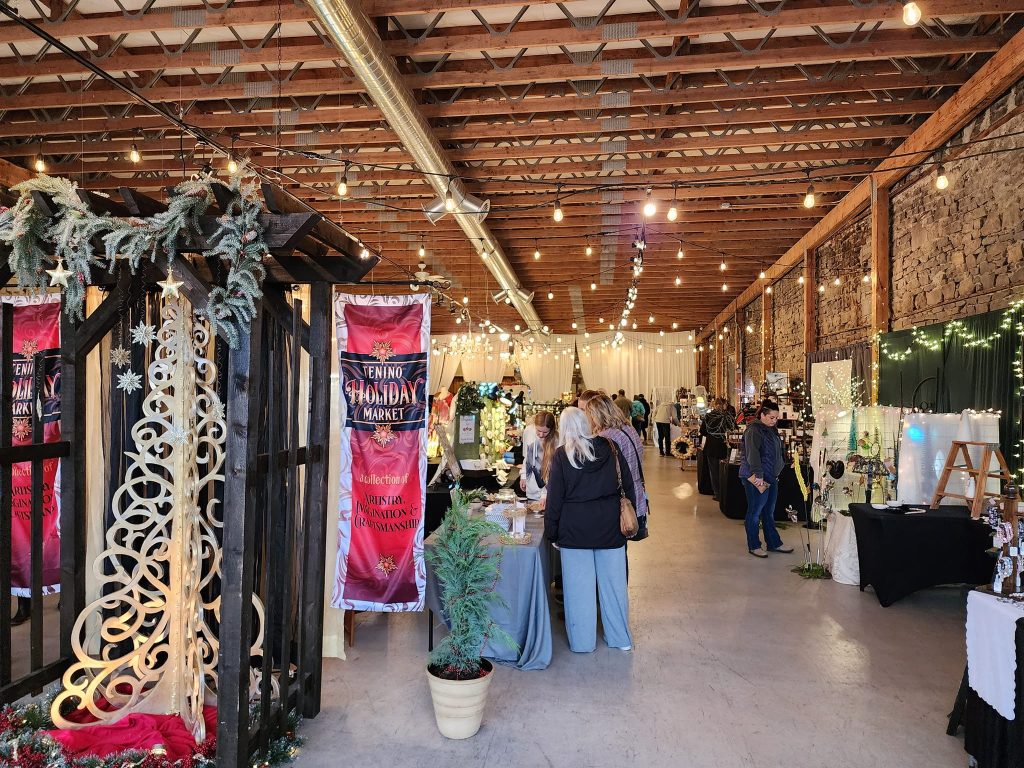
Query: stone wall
point(751, 318)
point(788, 324)
point(959, 252)
point(842, 314)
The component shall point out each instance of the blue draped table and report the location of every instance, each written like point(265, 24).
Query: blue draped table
point(523, 585)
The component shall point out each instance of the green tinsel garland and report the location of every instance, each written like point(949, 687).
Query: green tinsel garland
point(22, 745)
point(37, 240)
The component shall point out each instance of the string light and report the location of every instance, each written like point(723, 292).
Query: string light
point(423, 251)
point(941, 180)
point(762, 276)
point(40, 164)
point(343, 183)
point(722, 266)
point(911, 13)
point(650, 318)
point(750, 329)
point(679, 280)
point(574, 325)
point(725, 287)
point(800, 279)
point(232, 165)
point(588, 250)
point(551, 295)
point(593, 286)
point(365, 253)
point(536, 253)
point(465, 299)
point(449, 199)
point(557, 215)
point(866, 279)
point(837, 282)
point(134, 155)
point(672, 212)
point(768, 289)
point(821, 288)
point(680, 253)
point(649, 207)
point(809, 197)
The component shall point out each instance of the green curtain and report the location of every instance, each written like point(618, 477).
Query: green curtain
point(967, 374)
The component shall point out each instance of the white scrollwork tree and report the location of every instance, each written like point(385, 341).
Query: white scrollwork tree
point(157, 651)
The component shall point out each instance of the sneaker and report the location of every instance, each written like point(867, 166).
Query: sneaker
point(626, 648)
point(783, 549)
point(759, 552)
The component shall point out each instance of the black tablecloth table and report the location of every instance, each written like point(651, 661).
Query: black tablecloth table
point(732, 500)
point(703, 474)
point(992, 740)
point(900, 554)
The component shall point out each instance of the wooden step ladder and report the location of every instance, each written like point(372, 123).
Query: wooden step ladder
point(981, 474)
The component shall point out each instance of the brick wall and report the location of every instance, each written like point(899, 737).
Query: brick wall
point(960, 252)
point(842, 314)
point(788, 324)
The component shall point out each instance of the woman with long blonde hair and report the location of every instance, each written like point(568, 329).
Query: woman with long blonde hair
point(540, 439)
point(582, 520)
point(608, 421)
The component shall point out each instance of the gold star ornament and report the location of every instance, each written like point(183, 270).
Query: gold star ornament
point(169, 286)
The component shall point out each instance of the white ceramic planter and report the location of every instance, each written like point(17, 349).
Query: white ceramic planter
point(459, 704)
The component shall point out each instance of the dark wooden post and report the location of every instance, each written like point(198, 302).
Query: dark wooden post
point(239, 513)
point(315, 516)
point(72, 478)
point(6, 429)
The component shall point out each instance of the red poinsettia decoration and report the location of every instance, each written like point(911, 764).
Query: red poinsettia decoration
point(22, 429)
point(29, 347)
point(382, 351)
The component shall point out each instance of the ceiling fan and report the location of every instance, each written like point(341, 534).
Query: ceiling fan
point(439, 282)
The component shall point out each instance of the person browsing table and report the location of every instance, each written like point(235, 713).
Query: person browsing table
point(760, 468)
point(540, 439)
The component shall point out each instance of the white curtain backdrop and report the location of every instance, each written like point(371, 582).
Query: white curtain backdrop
point(479, 369)
point(548, 375)
point(441, 370)
point(644, 361)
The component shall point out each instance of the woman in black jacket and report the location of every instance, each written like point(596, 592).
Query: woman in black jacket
point(582, 519)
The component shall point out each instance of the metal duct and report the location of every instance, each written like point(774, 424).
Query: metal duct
point(354, 35)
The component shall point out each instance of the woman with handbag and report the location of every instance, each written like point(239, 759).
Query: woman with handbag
point(606, 420)
point(589, 515)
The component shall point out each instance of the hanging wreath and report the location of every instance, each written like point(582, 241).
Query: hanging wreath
point(681, 448)
point(66, 241)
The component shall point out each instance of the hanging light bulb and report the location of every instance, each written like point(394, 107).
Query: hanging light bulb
point(449, 199)
point(423, 251)
point(679, 280)
point(365, 253)
point(672, 212)
point(750, 329)
point(465, 299)
point(650, 318)
point(557, 215)
point(593, 286)
point(837, 281)
point(911, 13)
point(800, 279)
point(40, 164)
point(821, 288)
point(551, 295)
point(589, 251)
point(634, 325)
point(809, 197)
point(941, 180)
point(680, 253)
point(866, 279)
point(232, 166)
point(725, 286)
point(722, 266)
point(134, 155)
point(675, 326)
point(536, 253)
point(762, 275)
point(649, 206)
point(768, 289)
point(458, 320)
point(574, 325)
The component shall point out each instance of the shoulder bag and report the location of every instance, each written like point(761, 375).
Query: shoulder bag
point(628, 523)
point(642, 530)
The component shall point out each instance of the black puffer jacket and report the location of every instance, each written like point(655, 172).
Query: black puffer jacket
point(582, 510)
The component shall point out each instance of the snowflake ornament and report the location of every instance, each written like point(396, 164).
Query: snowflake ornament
point(143, 334)
point(22, 429)
point(382, 351)
point(120, 357)
point(383, 436)
point(176, 435)
point(219, 412)
point(386, 565)
point(129, 381)
point(29, 347)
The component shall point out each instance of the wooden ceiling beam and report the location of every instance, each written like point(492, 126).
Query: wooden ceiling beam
point(615, 126)
point(614, 63)
point(700, 88)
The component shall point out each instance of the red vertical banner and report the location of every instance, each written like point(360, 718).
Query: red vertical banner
point(383, 353)
point(36, 342)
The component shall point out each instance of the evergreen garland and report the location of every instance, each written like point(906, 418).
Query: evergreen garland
point(37, 241)
point(24, 745)
point(466, 571)
point(468, 401)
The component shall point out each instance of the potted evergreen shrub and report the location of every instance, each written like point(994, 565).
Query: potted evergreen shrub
point(466, 571)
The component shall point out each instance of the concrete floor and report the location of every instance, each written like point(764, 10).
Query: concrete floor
point(738, 662)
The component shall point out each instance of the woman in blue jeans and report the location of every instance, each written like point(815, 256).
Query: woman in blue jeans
point(760, 468)
point(582, 519)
